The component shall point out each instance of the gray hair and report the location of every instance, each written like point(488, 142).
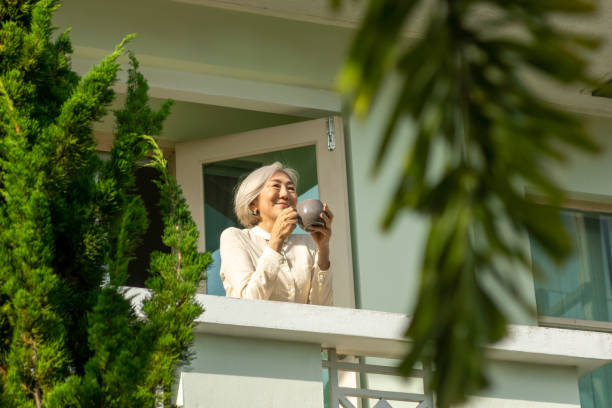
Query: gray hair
point(251, 186)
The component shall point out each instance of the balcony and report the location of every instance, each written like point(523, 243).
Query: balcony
point(268, 354)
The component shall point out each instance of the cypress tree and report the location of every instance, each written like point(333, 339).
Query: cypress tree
point(69, 225)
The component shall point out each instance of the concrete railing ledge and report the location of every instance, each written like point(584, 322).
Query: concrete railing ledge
point(381, 334)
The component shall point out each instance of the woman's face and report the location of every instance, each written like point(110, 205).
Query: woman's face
point(278, 193)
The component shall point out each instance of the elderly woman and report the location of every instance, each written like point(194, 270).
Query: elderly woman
point(264, 261)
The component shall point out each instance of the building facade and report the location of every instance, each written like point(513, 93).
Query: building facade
point(253, 82)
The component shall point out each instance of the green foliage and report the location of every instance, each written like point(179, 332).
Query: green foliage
point(462, 86)
point(172, 308)
point(69, 225)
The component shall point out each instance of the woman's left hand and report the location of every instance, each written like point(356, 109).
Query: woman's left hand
point(321, 234)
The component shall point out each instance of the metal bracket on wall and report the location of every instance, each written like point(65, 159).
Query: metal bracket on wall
point(331, 137)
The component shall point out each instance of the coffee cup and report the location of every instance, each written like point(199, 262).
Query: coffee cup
point(309, 212)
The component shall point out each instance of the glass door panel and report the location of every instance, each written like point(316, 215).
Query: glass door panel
point(220, 181)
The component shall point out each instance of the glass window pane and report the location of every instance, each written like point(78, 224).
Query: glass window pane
point(579, 288)
point(596, 388)
point(220, 180)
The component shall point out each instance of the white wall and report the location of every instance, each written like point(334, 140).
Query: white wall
point(388, 262)
point(511, 384)
point(588, 173)
point(220, 42)
point(528, 386)
point(241, 372)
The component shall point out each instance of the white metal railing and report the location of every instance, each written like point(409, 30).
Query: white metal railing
point(358, 332)
point(339, 395)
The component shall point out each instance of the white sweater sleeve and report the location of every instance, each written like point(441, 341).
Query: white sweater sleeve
point(243, 278)
point(321, 292)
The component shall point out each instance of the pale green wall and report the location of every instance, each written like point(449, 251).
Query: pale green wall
point(586, 173)
point(252, 357)
point(209, 41)
point(192, 121)
point(243, 43)
point(240, 372)
point(523, 385)
point(512, 384)
point(387, 262)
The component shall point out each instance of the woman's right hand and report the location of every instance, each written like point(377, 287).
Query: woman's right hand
point(283, 227)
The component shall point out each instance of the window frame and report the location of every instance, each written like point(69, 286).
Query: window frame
point(191, 155)
point(581, 202)
point(576, 324)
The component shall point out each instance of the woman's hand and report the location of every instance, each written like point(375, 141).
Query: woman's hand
point(283, 226)
point(321, 236)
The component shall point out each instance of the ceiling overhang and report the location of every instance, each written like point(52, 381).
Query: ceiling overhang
point(313, 11)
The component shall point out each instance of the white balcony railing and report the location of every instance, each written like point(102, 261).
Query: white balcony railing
point(339, 395)
point(276, 346)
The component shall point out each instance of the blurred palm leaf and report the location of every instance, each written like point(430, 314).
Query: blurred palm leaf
point(462, 85)
point(604, 90)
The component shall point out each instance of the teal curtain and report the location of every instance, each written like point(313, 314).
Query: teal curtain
point(581, 289)
point(596, 388)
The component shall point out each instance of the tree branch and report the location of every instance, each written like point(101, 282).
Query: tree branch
point(10, 105)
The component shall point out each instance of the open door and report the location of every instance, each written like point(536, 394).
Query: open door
point(208, 170)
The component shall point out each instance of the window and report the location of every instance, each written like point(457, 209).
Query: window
point(581, 287)
point(578, 293)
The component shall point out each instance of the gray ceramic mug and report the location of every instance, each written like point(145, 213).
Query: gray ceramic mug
point(309, 212)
